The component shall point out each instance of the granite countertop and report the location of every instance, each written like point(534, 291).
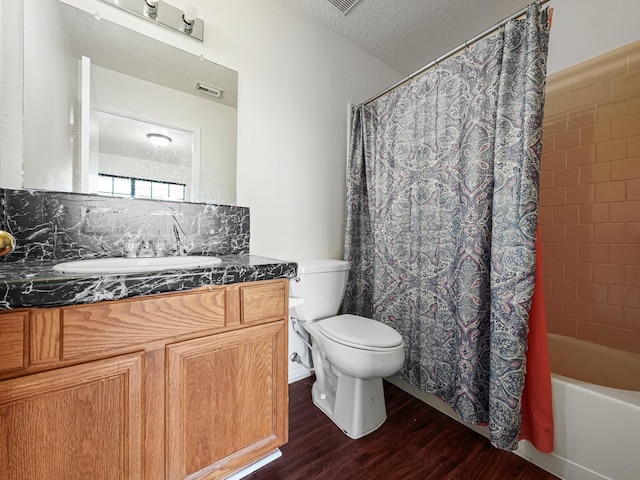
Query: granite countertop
point(36, 284)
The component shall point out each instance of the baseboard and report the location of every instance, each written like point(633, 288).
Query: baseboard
point(435, 402)
point(256, 465)
point(297, 372)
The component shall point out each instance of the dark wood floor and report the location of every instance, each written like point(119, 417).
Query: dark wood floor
point(415, 443)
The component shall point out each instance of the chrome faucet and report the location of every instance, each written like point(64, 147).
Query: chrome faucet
point(144, 249)
point(160, 247)
point(7, 243)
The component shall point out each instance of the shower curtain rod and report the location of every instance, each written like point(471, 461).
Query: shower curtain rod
point(453, 52)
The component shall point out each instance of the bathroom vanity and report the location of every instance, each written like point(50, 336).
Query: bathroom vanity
point(174, 374)
point(179, 385)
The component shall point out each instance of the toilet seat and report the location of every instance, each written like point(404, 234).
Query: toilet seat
point(360, 332)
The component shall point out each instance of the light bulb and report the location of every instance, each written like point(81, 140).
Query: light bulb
point(151, 8)
point(190, 14)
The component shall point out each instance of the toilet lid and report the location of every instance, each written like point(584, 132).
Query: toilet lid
point(360, 331)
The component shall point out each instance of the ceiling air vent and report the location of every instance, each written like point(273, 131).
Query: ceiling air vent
point(344, 5)
point(208, 89)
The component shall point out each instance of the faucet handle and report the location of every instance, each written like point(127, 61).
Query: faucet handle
point(7, 243)
point(131, 246)
point(146, 249)
point(160, 247)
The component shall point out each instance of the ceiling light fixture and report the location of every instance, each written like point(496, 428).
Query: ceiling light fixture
point(158, 139)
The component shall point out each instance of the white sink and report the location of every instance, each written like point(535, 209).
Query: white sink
point(134, 265)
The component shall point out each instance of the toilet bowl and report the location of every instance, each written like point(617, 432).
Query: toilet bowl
point(350, 353)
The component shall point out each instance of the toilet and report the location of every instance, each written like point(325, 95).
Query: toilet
point(351, 354)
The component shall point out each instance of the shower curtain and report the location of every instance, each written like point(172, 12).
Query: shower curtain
point(442, 202)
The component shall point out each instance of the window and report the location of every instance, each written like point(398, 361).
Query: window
point(118, 186)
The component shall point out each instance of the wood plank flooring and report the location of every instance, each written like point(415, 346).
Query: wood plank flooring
point(415, 443)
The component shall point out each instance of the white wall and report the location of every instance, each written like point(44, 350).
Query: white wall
point(583, 29)
point(51, 101)
point(11, 94)
point(295, 80)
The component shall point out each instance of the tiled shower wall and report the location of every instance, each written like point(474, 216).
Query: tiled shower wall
point(590, 200)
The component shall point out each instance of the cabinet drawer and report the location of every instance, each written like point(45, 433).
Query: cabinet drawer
point(263, 301)
point(102, 327)
point(12, 340)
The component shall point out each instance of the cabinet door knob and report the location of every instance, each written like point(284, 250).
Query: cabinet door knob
point(7, 243)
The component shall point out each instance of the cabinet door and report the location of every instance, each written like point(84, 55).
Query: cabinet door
point(227, 401)
point(12, 340)
point(73, 423)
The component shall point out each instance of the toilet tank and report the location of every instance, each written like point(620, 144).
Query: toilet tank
point(321, 283)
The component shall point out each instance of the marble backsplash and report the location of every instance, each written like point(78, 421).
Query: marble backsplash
point(56, 226)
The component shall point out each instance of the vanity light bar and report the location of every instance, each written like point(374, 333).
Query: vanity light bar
point(164, 14)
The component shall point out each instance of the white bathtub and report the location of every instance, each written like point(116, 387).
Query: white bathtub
point(597, 428)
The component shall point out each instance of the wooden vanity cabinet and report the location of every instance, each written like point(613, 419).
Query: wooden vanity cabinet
point(223, 404)
point(13, 352)
point(74, 423)
point(175, 386)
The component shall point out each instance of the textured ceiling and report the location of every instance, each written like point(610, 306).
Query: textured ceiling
point(408, 34)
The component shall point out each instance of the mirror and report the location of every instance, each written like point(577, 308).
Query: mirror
point(80, 70)
point(127, 146)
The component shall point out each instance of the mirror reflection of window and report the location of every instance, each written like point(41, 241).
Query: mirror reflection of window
point(140, 159)
point(140, 188)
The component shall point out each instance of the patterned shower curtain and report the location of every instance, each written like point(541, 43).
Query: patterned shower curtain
point(442, 202)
